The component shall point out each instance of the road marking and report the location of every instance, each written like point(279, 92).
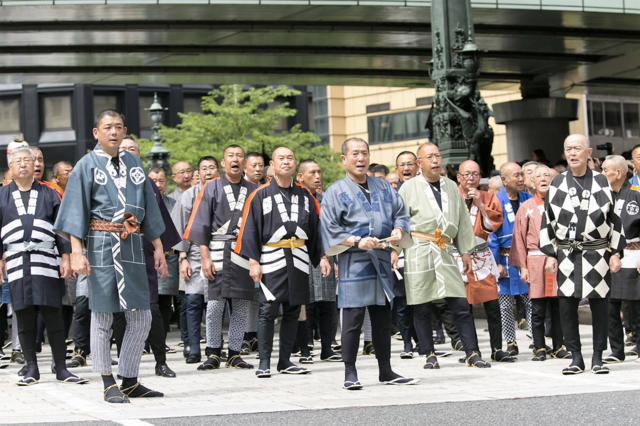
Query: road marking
point(132, 422)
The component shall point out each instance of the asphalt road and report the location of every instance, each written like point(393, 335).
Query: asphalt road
point(611, 408)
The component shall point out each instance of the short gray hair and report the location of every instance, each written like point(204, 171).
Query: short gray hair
point(530, 163)
point(345, 143)
point(618, 161)
point(22, 149)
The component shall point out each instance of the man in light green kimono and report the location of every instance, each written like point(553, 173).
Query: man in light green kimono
point(440, 225)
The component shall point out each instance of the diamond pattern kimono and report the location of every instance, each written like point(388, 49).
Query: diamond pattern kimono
point(582, 213)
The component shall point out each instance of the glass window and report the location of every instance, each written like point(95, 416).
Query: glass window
point(613, 118)
point(10, 115)
point(631, 124)
point(397, 127)
point(192, 104)
point(597, 113)
point(283, 122)
point(320, 108)
point(319, 92)
point(104, 101)
point(57, 112)
point(321, 126)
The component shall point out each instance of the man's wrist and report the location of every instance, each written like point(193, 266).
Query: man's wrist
point(183, 258)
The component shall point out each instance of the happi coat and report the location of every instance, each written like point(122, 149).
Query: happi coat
point(525, 252)
point(169, 238)
point(269, 217)
point(215, 223)
point(180, 214)
point(430, 272)
point(170, 284)
point(501, 239)
point(482, 283)
point(581, 214)
point(364, 276)
point(625, 284)
point(33, 276)
point(95, 190)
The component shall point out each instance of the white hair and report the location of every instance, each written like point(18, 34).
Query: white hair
point(618, 162)
point(21, 149)
point(585, 138)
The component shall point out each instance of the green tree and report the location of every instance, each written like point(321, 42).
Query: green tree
point(231, 115)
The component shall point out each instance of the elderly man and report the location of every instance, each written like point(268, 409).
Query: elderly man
point(110, 203)
point(510, 285)
point(625, 285)
point(543, 287)
point(439, 223)
point(495, 185)
point(181, 173)
point(280, 235)
point(61, 172)
point(190, 260)
point(269, 173)
point(583, 235)
point(393, 178)
point(482, 282)
point(28, 210)
point(527, 171)
point(358, 212)
point(254, 168)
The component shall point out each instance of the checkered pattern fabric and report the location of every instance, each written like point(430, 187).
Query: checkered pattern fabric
point(322, 289)
point(581, 273)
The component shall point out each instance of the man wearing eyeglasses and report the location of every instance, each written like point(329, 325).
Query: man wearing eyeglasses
point(510, 285)
point(406, 166)
point(481, 283)
point(190, 260)
point(181, 174)
point(583, 236)
point(527, 171)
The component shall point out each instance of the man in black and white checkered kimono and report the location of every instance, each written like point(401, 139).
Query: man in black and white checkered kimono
point(583, 235)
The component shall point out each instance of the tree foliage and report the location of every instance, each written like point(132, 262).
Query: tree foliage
point(233, 115)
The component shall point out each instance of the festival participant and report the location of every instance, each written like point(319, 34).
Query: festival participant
point(543, 287)
point(527, 171)
point(280, 235)
point(109, 202)
point(583, 236)
point(28, 210)
point(191, 261)
point(510, 285)
point(481, 283)
point(214, 226)
point(254, 168)
point(181, 174)
point(624, 284)
point(439, 222)
point(357, 212)
point(321, 288)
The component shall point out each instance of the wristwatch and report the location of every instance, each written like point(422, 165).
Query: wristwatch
point(356, 241)
point(183, 258)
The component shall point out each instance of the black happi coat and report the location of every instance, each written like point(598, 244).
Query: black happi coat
point(33, 276)
point(625, 284)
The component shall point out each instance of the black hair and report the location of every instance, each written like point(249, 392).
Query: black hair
point(207, 158)
point(110, 112)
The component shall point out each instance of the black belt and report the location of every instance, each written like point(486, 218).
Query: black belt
point(223, 237)
point(573, 245)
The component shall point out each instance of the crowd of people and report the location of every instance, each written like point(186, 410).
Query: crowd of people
point(401, 254)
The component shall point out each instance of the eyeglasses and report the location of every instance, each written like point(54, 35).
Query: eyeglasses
point(405, 165)
point(468, 175)
point(210, 168)
point(184, 172)
point(24, 161)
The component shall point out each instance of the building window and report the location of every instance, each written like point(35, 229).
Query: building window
point(320, 113)
point(283, 122)
point(192, 104)
point(398, 127)
point(378, 108)
point(57, 112)
point(10, 115)
point(631, 120)
point(613, 119)
point(102, 101)
point(424, 101)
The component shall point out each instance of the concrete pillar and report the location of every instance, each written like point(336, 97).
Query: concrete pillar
point(537, 123)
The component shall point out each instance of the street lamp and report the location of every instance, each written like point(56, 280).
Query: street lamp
point(158, 156)
point(470, 55)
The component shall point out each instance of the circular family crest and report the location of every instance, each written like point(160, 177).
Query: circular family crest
point(137, 175)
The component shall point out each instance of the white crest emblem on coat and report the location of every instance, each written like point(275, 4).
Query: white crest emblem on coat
point(572, 192)
point(137, 175)
point(100, 177)
point(633, 208)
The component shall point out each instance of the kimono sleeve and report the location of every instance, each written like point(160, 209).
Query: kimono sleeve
point(333, 233)
point(315, 246)
point(617, 240)
point(547, 243)
point(152, 225)
point(198, 230)
point(178, 216)
point(465, 240)
point(494, 214)
point(249, 242)
point(74, 213)
point(518, 256)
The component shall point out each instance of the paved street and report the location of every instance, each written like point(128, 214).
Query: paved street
point(449, 395)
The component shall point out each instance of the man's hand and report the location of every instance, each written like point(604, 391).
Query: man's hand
point(185, 270)
point(502, 271)
point(255, 271)
point(367, 243)
point(474, 194)
point(615, 264)
point(397, 237)
point(466, 264)
point(394, 260)
point(551, 265)
point(524, 275)
point(80, 264)
point(65, 267)
point(325, 267)
point(160, 263)
point(208, 270)
point(336, 270)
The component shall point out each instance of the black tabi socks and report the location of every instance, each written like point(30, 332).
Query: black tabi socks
point(32, 370)
point(350, 372)
point(579, 361)
point(61, 370)
point(134, 389)
point(386, 374)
